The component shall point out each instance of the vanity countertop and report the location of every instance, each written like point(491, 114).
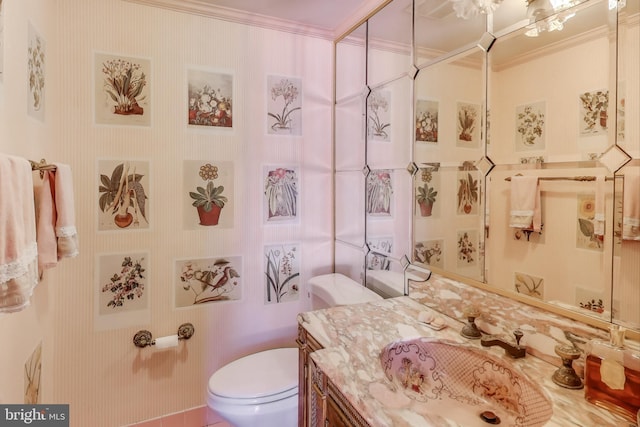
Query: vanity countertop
point(353, 336)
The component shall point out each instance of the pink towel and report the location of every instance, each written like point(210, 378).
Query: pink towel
point(598, 218)
point(45, 223)
point(525, 210)
point(631, 205)
point(18, 249)
point(65, 210)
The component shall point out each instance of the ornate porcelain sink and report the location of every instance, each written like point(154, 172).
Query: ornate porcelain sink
point(462, 384)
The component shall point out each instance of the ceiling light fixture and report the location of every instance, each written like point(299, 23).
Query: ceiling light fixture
point(548, 15)
point(466, 9)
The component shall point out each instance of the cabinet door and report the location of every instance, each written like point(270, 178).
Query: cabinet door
point(335, 416)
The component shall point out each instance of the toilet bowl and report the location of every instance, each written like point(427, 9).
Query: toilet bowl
point(258, 389)
point(261, 389)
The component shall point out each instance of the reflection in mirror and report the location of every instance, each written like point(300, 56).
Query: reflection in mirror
point(440, 31)
point(551, 119)
point(448, 203)
point(351, 63)
point(389, 43)
point(542, 102)
point(626, 260)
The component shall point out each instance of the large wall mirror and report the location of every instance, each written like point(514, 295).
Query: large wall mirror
point(443, 116)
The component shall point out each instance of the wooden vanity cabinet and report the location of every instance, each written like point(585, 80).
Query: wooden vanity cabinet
point(320, 403)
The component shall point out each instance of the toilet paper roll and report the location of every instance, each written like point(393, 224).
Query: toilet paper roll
point(166, 342)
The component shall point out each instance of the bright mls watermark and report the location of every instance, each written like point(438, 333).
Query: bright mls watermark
point(34, 415)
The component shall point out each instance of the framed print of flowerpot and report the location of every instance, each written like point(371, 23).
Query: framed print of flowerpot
point(430, 252)
point(530, 126)
point(427, 121)
point(210, 96)
point(207, 280)
point(282, 273)
point(379, 192)
point(122, 291)
point(122, 90)
point(379, 116)
point(426, 193)
point(281, 188)
point(284, 105)
point(123, 195)
point(468, 122)
point(594, 113)
point(36, 68)
point(208, 194)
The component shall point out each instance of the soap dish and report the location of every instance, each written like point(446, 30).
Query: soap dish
point(434, 322)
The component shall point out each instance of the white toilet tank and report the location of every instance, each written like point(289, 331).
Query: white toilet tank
point(335, 289)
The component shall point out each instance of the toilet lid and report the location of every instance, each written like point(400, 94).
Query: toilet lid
point(257, 375)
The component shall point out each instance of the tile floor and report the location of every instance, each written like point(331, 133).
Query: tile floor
point(196, 417)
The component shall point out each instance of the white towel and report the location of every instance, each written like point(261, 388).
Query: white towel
point(598, 218)
point(631, 205)
point(525, 210)
point(65, 210)
point(18, 249)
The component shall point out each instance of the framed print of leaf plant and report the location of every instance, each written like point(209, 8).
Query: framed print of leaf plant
point(379, 195)
point(123, 195)
point(281, 190)
point(122, 94)
point(530, 126)
point(36, 68)
point(379, 115)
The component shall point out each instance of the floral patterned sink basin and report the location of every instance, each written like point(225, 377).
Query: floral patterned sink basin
point(463, 384)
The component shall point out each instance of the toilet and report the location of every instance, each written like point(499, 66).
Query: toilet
point(261, 389)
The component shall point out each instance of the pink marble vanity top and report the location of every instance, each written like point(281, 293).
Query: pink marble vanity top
point(353, 337)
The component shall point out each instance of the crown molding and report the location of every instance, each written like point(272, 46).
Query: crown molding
point(202, 8)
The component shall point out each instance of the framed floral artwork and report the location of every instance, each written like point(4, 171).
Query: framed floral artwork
point(376, 258)
point(281, 188)
point(122, 90)
point(123, 195)
point(427, 121)
point(210, 95)
point(284, 105)
point(36, 60)
point(282, 273)
point(208, 194)
point(530, 126)
point(379, 192)
point(468, 192)
point(586, 237)
point(468, 248)
point(379, 116)
point(528, 285)
point(468, 122)
point(207, 280)
point(430, 252)
point(620, 119)
point(427, 187)
point(594, 112)
point(122, 291)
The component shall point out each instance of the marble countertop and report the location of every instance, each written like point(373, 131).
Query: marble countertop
point(353, 336)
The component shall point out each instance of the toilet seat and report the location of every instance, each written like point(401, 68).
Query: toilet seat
point(263, 377)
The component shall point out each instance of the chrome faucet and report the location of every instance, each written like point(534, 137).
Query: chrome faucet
point(516, 351)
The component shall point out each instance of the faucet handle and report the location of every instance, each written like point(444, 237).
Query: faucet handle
point(471, 312)
point(518, 335)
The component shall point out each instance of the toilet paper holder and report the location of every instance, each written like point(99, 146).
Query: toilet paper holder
point(144, 338)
